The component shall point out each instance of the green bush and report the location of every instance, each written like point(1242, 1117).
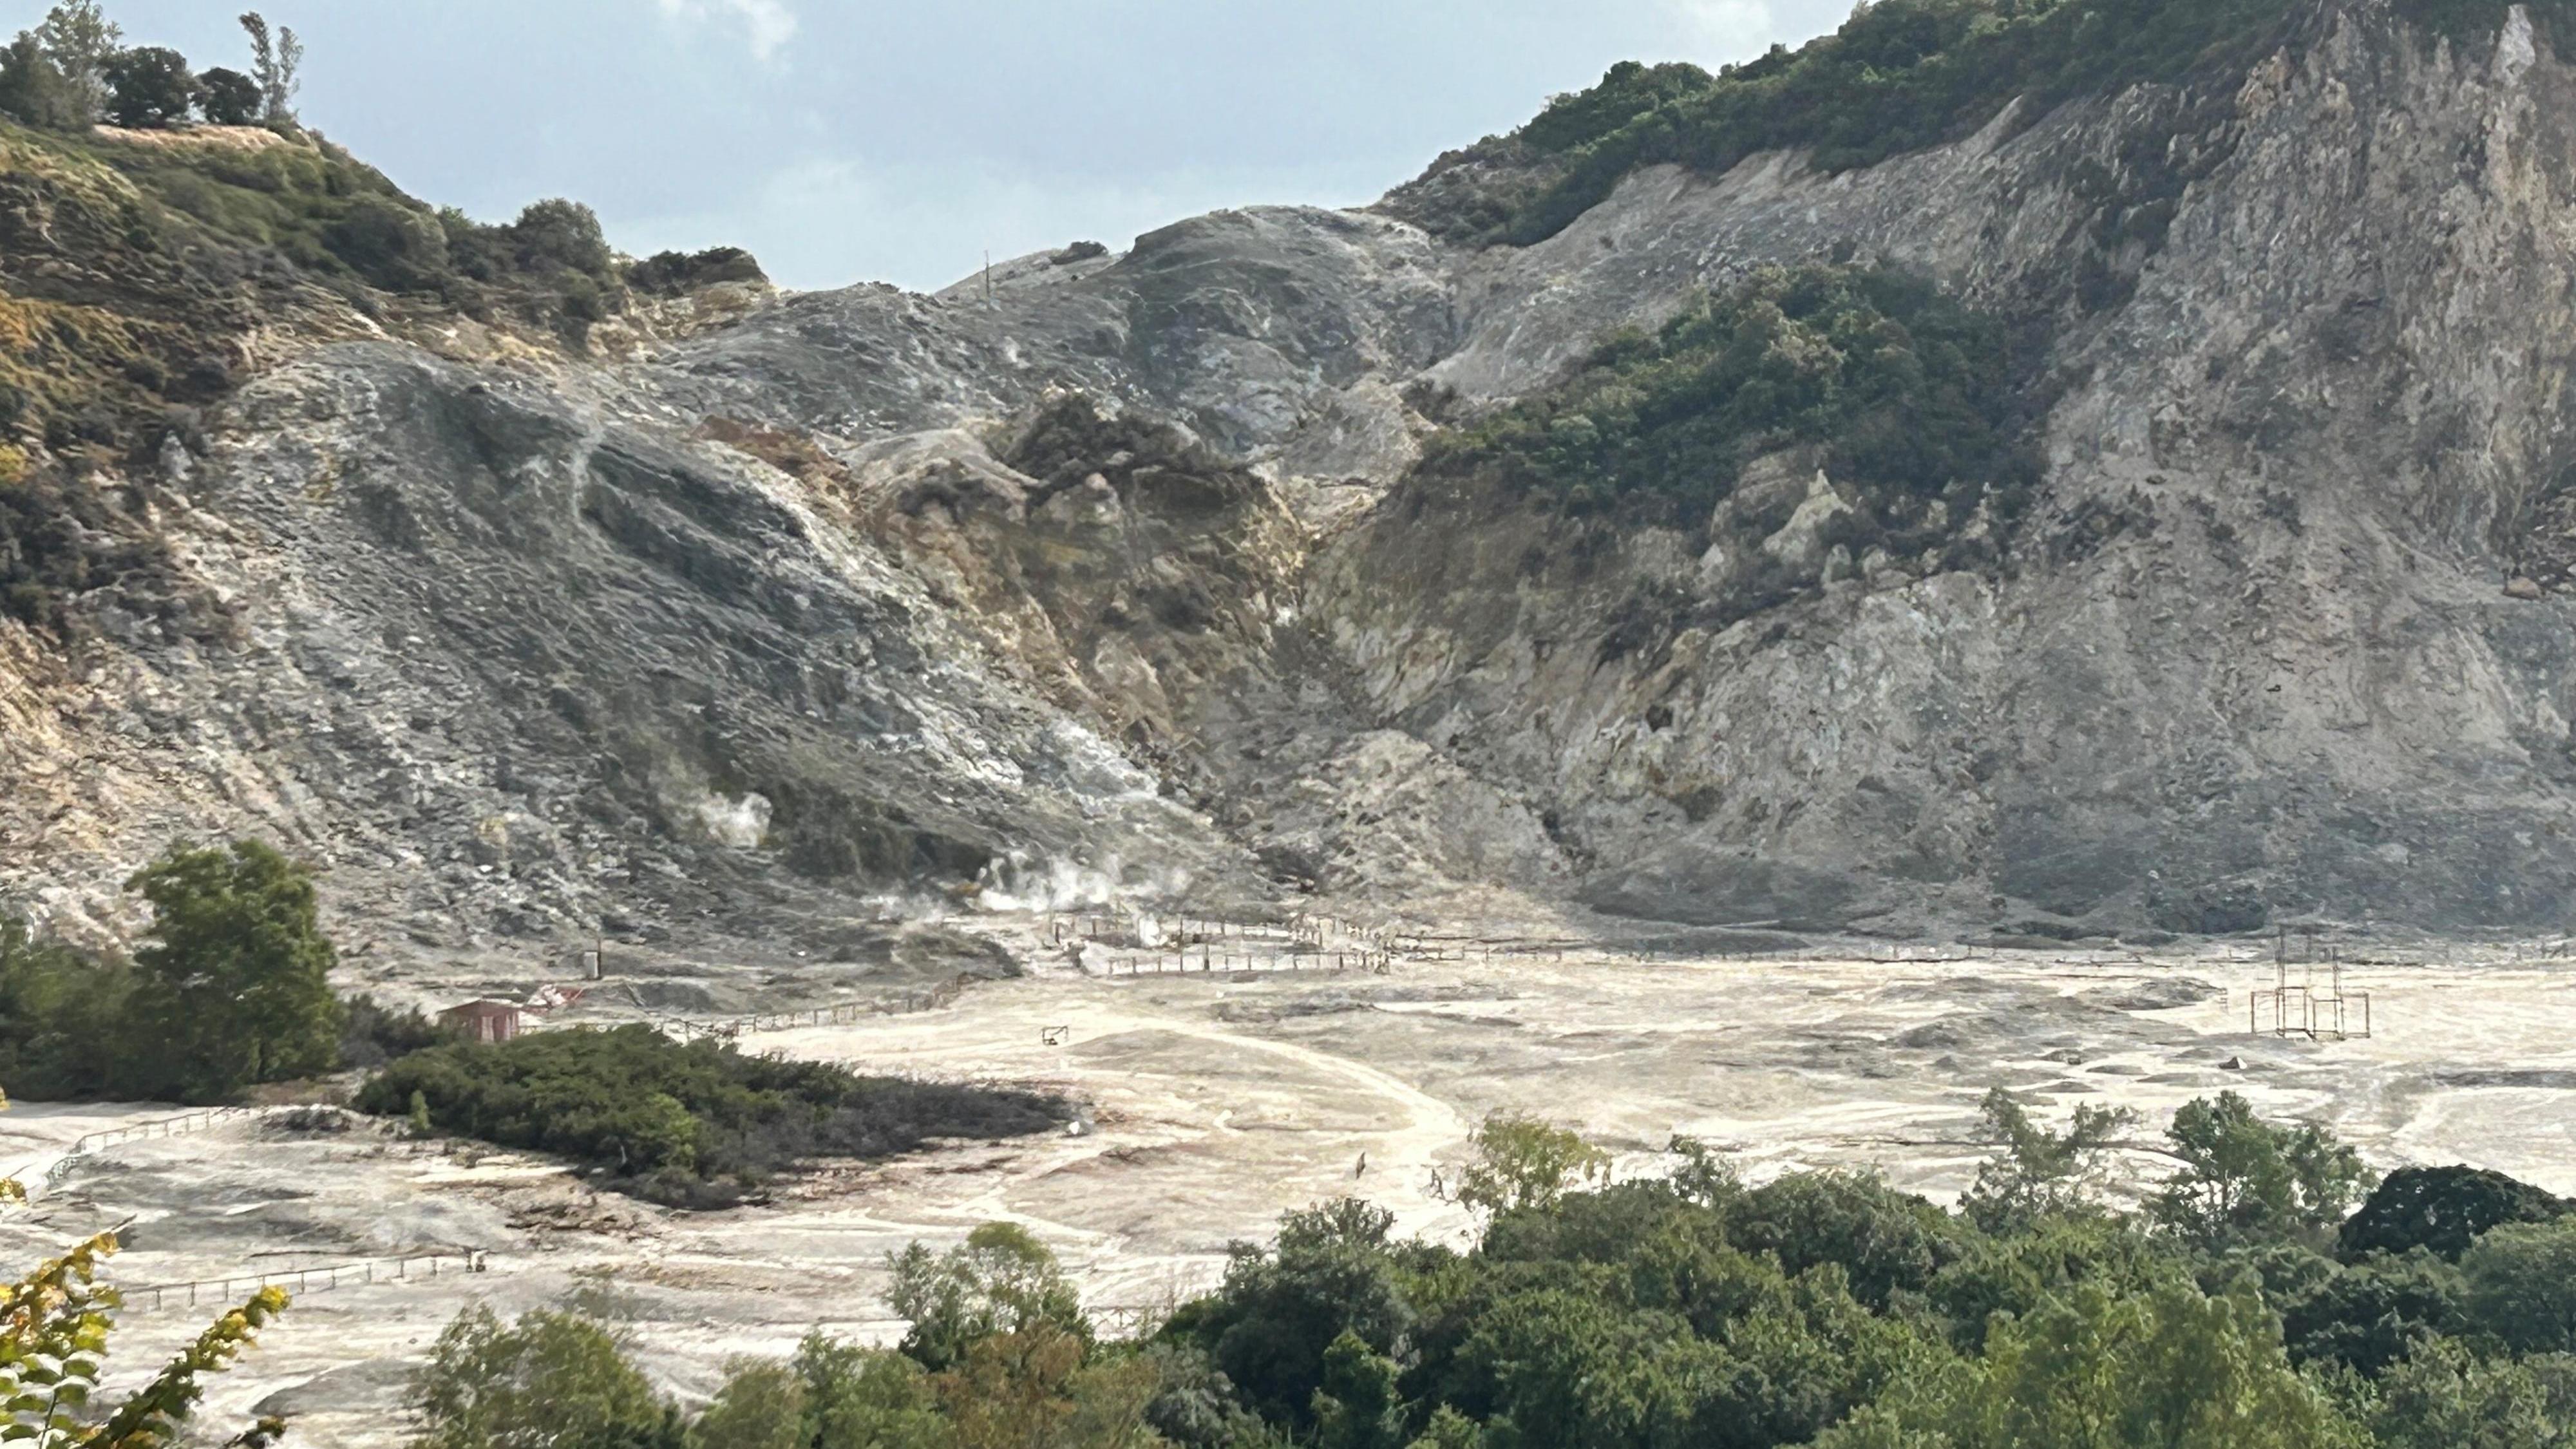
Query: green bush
point(2443, 1210)
point(235, 987)
point(33, 91)
point(393, 245)
point(696, 1125)
point(63, 1020)
point(2522, 1286)
point(671, 273)
point(149, 86)
point(229, 98)
point(1908, 392)
point(1898, 75)
point(554, 1380)
point(1000, 1280)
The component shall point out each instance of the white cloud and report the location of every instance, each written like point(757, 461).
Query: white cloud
point(767, 25)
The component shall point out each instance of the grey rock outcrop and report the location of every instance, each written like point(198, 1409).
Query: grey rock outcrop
point(811, 609)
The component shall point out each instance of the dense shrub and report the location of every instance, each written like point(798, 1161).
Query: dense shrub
point(1908, 392)
point(231, 991)
point(150, 85)
point(2442, 1210)
point(1898, 75)
point(394, 245)
point(228, 98)
point(33, 91)
point(372, 1034)
point(235, 987)
point(698, 1124)
point(669, 273)
point(63, 1033)
point(548, 1379)
point(1652, 1314)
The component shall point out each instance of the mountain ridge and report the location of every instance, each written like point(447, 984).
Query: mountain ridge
point(1130, 583)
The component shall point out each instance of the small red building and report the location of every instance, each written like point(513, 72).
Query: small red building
point(486, 1020)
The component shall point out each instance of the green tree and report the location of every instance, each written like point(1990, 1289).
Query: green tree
point(860, 1398)
point(79, 39)
point(2522, 1286)
point(1885, 1241)
point(54, 1329)
point(2245, 1180)
point(33, 91)
point(2371, 1314)
point(1000, 1280)
point(149, 86)
point(227, 97)
point(548, 1381)
point(2038, 1173)
point(1357, 1406)
point(1520, 1161)
point(274, 62)
point(237, 988)
point(65, 1032)
point(557, 235)
point(1332, 1271)
point(1450, 1429)
point(2446, 1397)
point(761, 1406)
point(2099, 1370)
point(2442, 1209)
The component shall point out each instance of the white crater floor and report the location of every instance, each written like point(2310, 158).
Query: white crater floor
point(1215, 1103)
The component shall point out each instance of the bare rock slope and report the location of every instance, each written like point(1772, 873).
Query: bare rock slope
point(1121, 579)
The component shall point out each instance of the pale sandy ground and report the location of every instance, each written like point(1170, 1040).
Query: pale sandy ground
point(1214, 1104)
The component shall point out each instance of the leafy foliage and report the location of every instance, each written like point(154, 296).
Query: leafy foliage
point(62, 1019)
point(236, 987)
point(1908, 393)
point(1821, 1309)
point(1520, 1161)
point(2245, 1178)
point(1000, 1280)
point(2448, 1397)
point(553, 1379)
point(2522, 1285)
point(2095, 1368)
point(33, 90)
point(1331, 1272)
point(1898, 75)
point(670, 273)
point(149, 86)
point(699, 1124)
point(226, 97)
point(2442, 1209)
point(2039, 1173)
point(54, 1330)
point(234, 990)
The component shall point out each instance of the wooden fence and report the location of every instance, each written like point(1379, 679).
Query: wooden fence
point(1213, 962)
point(226, 1292)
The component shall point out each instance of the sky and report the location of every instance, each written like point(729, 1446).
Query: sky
point(872, 140)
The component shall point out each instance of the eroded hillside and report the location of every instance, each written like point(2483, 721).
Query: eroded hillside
point(2159, 521)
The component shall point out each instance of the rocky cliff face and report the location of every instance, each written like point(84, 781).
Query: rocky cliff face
point(1123, 579)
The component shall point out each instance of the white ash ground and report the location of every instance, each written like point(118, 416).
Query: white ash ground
point(1215, 1104)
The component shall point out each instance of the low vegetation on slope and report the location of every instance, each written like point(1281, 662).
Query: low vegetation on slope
point(232, 991)
point(145, 268)
point(1821, 1308)
point(1898, 76)
point(697, 1124)
point(1904, 392)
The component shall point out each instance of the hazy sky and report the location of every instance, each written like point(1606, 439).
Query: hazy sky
point(874, 140)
